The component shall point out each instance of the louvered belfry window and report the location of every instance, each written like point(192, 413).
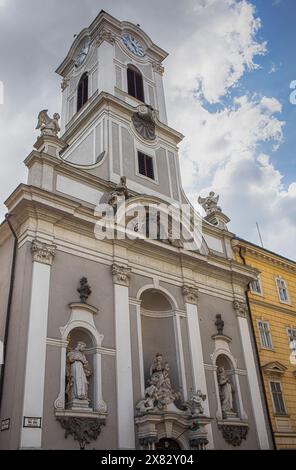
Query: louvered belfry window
point(135, 84)
point(82, 92)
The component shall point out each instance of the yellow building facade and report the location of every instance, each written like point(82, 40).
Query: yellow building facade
point(272, 301)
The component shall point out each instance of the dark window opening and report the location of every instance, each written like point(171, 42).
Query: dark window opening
point(82, 92)
point(135, 84)
point(146, 165)
point(278, 400)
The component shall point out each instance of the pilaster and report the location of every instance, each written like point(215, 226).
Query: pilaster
point(241, 310)
point(190, 294)
point(31, 432)
point(124, 380)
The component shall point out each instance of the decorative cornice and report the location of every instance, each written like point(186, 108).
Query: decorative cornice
point(285, 308)
point(241, 308)
point(157, 67)
point(121, 274)
point(268, 256)
point(190, 294)
point(42, 252)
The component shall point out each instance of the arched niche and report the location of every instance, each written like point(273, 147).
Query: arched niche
point(160, 333)
point(81, 327)
point(81, 335)
point(224, 363)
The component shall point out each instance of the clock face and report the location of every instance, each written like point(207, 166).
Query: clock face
point(80, 58)
point(133, 45)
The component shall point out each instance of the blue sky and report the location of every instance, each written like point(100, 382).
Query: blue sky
point(278, 29)
point(277, 68)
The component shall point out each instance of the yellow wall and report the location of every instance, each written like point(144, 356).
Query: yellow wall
point(280, 317)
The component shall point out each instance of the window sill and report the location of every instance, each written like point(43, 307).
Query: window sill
point(286, 303)
point(263, 348)
point(257, 293)
point(154, 181)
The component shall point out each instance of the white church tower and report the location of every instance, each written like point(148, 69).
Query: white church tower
point(118, 343)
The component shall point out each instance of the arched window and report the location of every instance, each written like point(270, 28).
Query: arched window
point(135, 83)
point(82, 92)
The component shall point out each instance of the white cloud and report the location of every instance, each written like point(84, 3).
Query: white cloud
point(222, 150)
point(214, 57)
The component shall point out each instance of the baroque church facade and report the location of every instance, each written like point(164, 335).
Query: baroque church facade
point(120, 342)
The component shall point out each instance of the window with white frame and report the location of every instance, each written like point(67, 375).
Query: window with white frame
point(255, 286)
point(277, 398)
point(291, 333)
point(282, 290)
point(292, 341)
point(265, 334)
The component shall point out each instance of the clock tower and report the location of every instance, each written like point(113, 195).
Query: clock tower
point(114, 113)
point(120, 342)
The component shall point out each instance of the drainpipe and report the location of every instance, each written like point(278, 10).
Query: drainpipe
point(257, 353)
point(9, 303)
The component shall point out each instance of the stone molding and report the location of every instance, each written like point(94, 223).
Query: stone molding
point(121, 274)
point(190, 294)
point(83, 429)
point(234, 434)
point(42, 252)
point(107, 36)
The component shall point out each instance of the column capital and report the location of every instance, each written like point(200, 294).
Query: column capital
point(107, 36)
point(241, 308)
point(121, 274)
point(157, 67)
point(190, 294)
point(42, 252)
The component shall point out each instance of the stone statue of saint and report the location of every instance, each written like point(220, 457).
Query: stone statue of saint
point(159, 392)
point(225, 389)
point(78, 371)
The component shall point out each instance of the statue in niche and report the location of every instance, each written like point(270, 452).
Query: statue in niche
point(78, 373)
point(226, 393)
point(47, 125)
point(159, 393)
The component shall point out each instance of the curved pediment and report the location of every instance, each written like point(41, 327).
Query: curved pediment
point(180, 227)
